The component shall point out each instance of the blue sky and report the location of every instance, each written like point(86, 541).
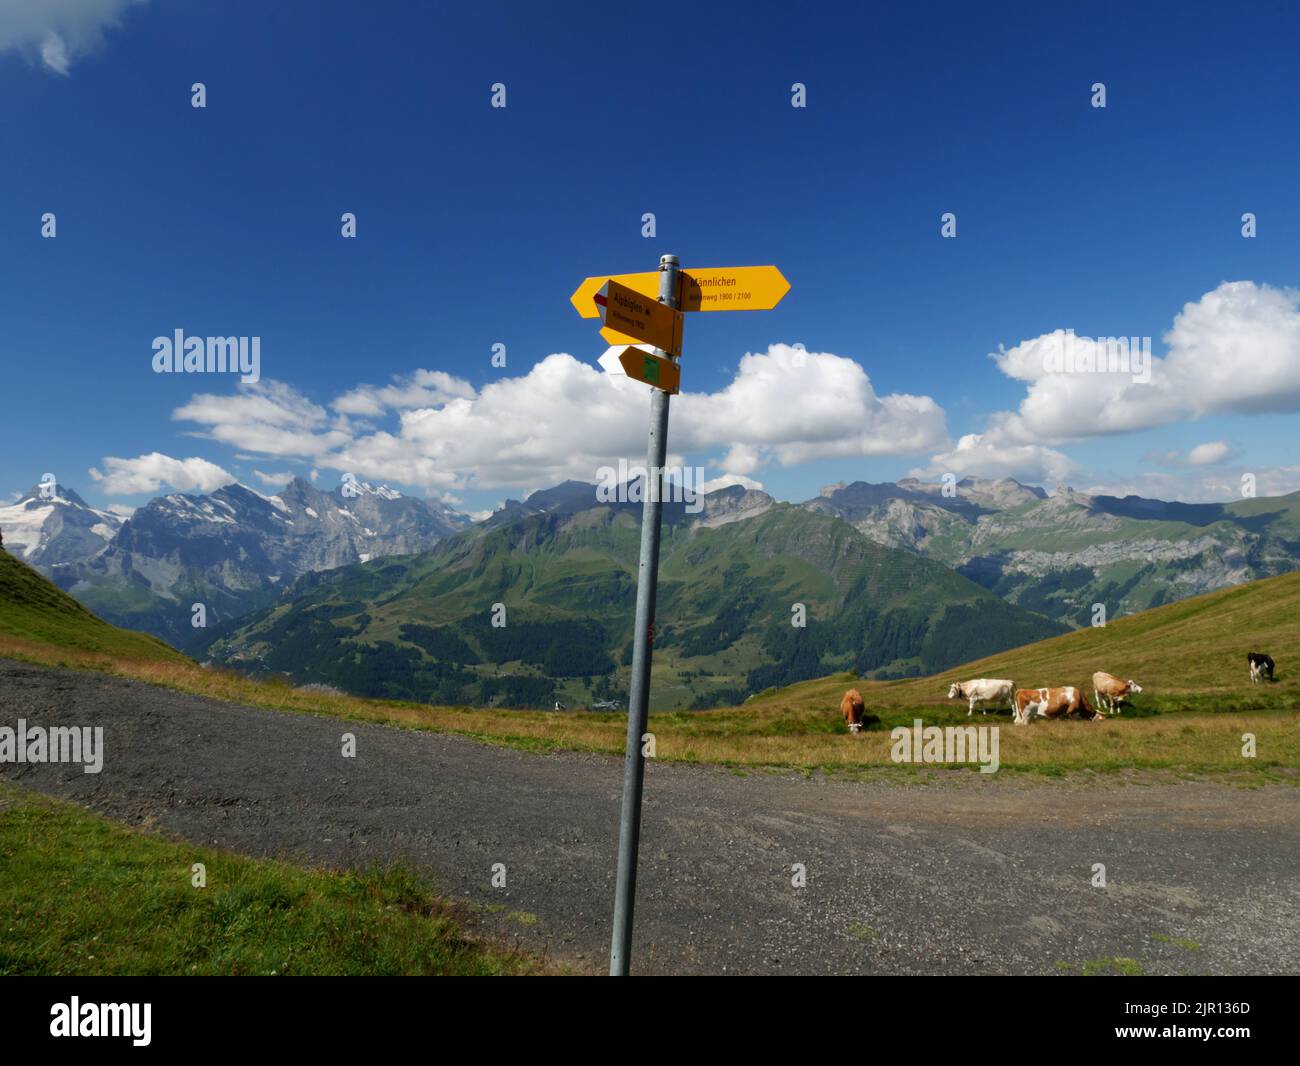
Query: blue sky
point(476, 223)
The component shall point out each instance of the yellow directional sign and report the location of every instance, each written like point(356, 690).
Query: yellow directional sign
point(732, 289)
point(642, 317)
point(652, 369)
point(646, 284)
point(757, 288)
point(614, 338)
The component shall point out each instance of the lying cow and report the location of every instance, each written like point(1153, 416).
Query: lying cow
point(1109, 691)
point(1051, 703)
point(1261, 666)
point(851, 707)
point(982, 692)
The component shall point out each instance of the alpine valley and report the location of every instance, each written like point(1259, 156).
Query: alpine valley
point(385, 595)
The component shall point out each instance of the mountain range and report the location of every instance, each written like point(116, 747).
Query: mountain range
point(385, 594)
point(1064, 553)
point(232, 550)
point(534, 607)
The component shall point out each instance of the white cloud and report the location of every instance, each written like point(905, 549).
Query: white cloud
point(58, 32)
point(980, 455)
point(273, 480)
point(565, 419)
point(795, 407)
point(1219, 485)
point(267, 418)
point(1214, 451)
point(726, 481)
point(1235, 350)
point(54, 54)
point(424, 388)
point(148, 473)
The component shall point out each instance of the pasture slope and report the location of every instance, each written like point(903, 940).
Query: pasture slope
point(1189, 655)
point(36, 616)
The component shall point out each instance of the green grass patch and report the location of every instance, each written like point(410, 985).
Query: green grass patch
point(81, 895)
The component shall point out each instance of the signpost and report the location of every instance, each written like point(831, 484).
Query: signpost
point(623, 302)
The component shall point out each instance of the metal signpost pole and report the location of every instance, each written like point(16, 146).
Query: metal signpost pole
point(629, 834)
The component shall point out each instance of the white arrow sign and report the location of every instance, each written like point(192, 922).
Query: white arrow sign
point(609, 361)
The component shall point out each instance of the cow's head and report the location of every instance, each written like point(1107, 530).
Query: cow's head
point(855, 727)
point(954, 691)
point(1133, 686)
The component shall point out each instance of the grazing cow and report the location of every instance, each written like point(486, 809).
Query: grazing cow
point(1261, 666)
point(1109, 691)
point(1052, 703)
point(981, 692)
point(851, 707)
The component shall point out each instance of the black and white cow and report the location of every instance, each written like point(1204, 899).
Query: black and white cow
point(1261, 666)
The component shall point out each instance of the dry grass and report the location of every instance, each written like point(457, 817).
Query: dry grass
point(799, 728)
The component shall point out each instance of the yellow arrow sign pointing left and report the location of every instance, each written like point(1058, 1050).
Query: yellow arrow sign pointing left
point(583, 298)
point(642, 317)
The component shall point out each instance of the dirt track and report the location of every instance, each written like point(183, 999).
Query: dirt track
point(963, 875)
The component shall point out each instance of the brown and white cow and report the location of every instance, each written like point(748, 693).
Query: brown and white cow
point(1052, 703)
point(981, 692)
point(851, 707)
point(1110, 691)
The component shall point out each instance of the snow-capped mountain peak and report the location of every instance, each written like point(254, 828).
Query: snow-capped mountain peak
point(51, 524)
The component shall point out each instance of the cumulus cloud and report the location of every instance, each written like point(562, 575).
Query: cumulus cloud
point(1214, 451)
point(424, 388)
point(1235, 350)
point(56, 33)
point(980, 455)
point(566, 419)
point(726, 481)
point(267, 418)
point(795, 407)
point(148, 473)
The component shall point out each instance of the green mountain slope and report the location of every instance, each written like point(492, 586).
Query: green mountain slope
point(421, 627)
point(1186, 655)
point(34, 611)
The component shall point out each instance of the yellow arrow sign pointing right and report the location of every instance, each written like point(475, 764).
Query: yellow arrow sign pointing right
point(652, 369)
point(758, 288)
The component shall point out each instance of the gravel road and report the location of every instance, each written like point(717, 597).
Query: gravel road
point(959, 874)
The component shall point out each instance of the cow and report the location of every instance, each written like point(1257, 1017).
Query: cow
point(851, 707)
point(1109, 691)
point(982, 692)
point(1261, 666)
point(1051, 703)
